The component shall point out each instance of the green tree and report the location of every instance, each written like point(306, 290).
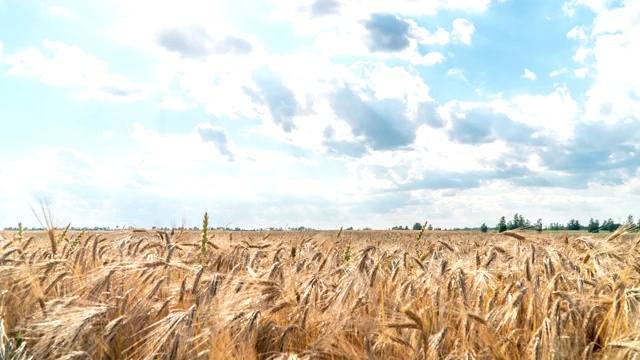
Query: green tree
point(609, 225)
point(538, 225)
point(430, 227)
point(417, 226)
point(484, 228)
point(556, 226)
point(518, 222)
point(573, 225)
point(512, 224)
point(594, 226)
point(502, 225)
point(630, 220)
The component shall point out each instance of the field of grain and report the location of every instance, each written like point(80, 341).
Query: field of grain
point(319, 295)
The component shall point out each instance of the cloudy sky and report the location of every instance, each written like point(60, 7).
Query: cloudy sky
point(319, 113)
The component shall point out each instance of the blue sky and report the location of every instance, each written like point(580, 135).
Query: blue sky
point(319, 113)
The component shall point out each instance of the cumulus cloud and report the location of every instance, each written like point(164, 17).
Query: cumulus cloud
point(70, 66)
point(480, 123)
point(276, 96)
point(218, 136)
point(55, 10)
point(596, 148)
point(597, 6)
point(189, 41)
point(195, 42)
point(581, 72)
point(558, 72)
point(430, 58)
point(616, 43)
point(339, 116)
point(291, 11)
point(577, 33)
point(553, 115)
point(424, 36)
point(321, 8)
point(438, 180)
point(581, 54)
point(204, 146)
point(528, 74)
point(458, 73)
point(386, 33)
point(463, 29)
point(233, 45)
point(381, 123)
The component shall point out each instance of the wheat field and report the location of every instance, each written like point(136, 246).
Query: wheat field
point(319, 295)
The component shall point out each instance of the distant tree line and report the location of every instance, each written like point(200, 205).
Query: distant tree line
point(416, 226)
point(594, 226)
point(518, 221)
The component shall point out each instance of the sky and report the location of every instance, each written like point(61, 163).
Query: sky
point(319, 113)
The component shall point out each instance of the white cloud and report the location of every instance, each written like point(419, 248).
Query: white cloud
point(158, 149)
point(577, 33)
point(581, 54)
point(457, 73)
point(350, 38)
point(528, 74)
point(596, 6)
point(429, 59)
point(424, 36)
point(435, 153)
point(553, 114)
point(556, 73)
point(136, 28)
point(462, 30)
point(568, 9)
point(614, 96)
point(581, 73)
point(448, 158)
point(70, 66)
point(201, 58)
point(55, 10)
point(298, 12)
point(369, 80)
point(342, 32)
point(66, 168)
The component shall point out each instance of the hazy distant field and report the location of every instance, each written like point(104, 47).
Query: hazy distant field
point(362, 295)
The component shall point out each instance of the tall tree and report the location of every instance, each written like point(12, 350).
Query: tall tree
point(417, 226)
point(484, 228)
point(594, 226)
point(502, 225)
point(573, 225)
point(518, 222)
point(609, 225)
point(538, 225)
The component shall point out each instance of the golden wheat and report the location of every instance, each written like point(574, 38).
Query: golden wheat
point(304, 295)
